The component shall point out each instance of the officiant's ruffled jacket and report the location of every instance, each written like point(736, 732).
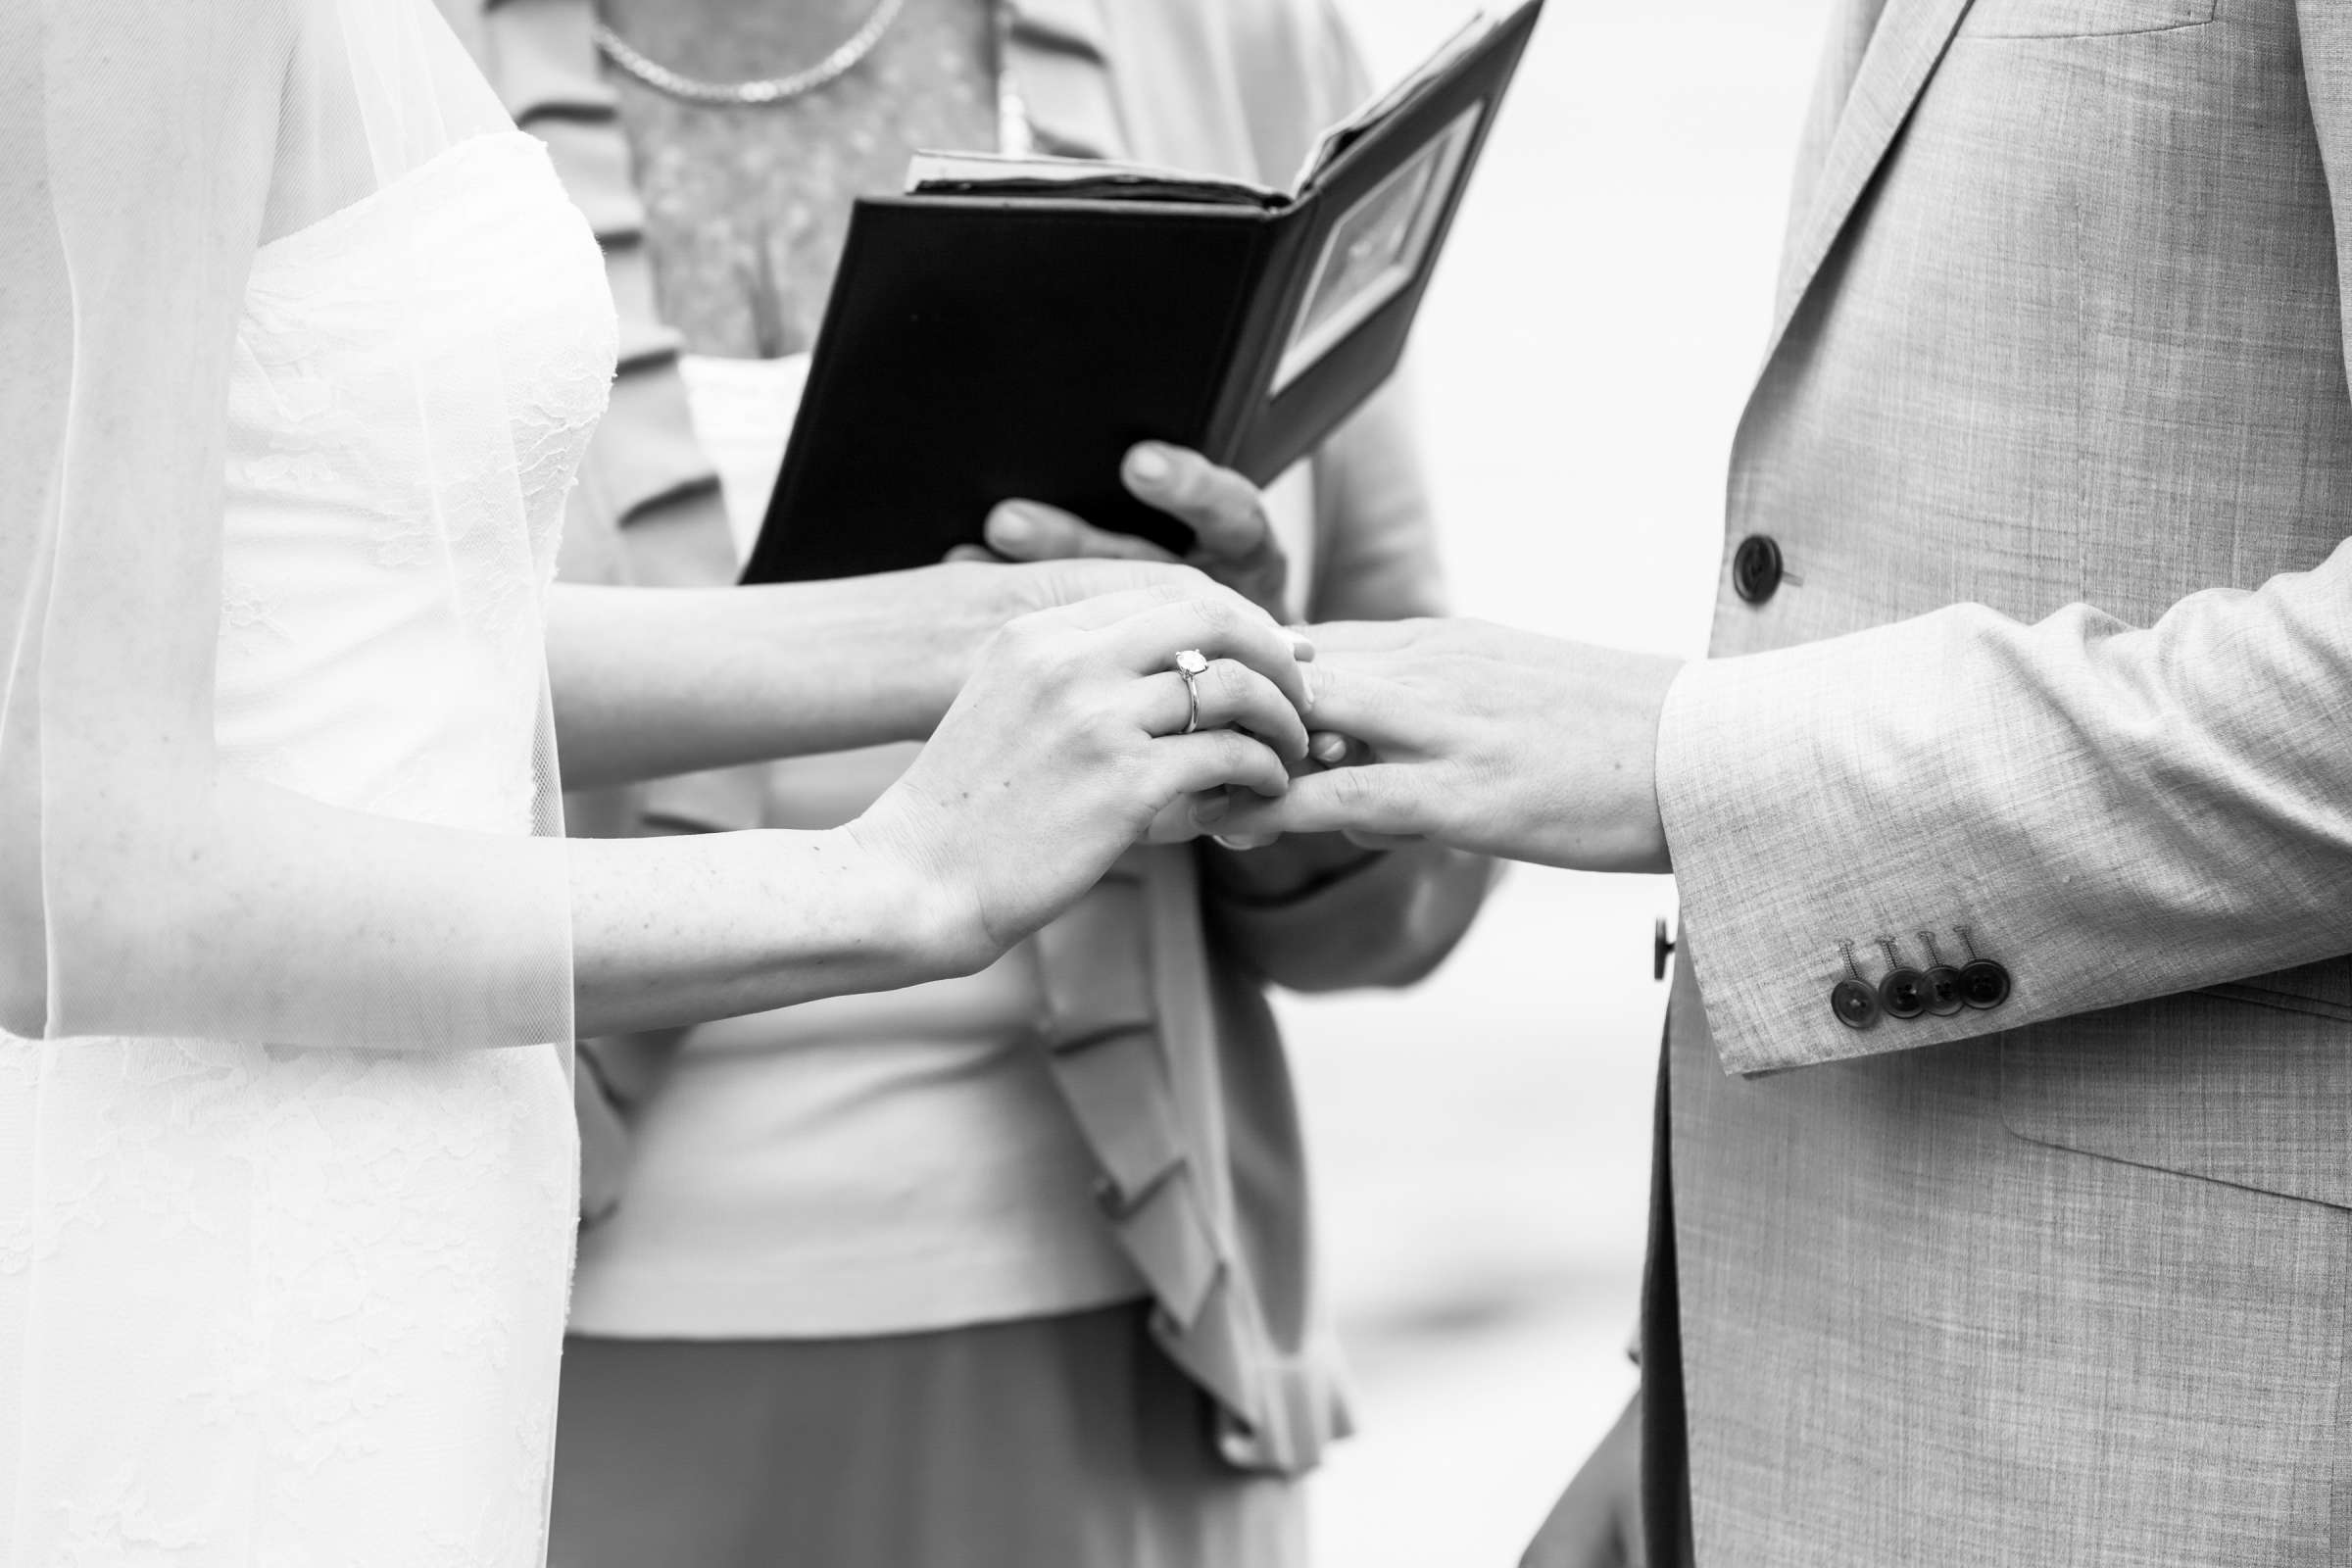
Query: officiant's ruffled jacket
point(1159, 1036)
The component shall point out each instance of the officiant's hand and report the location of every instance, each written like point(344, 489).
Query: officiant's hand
point(1489, 739)
point(1231, 539)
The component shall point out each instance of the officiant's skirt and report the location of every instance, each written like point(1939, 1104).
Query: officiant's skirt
point(1050, 1442)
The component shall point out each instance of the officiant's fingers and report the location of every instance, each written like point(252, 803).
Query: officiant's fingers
point(1221, 624)
point(1371, 715)
point(1229, 693)
point(1226, 513)
point(1030, 530)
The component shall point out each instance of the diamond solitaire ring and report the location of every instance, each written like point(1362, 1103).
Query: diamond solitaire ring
point(1191, 664)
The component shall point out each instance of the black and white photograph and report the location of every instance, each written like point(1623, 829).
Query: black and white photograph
point(1376, 248)
point(1175, 784)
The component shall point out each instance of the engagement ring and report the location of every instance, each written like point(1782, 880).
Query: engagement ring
point(1191, 664)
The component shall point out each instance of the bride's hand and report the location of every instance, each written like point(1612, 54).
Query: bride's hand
point(1069, 739)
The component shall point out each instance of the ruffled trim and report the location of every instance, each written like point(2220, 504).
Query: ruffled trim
point(1108, 1050)
point(542, 61)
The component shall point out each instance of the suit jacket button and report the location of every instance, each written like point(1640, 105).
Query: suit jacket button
point(1943, 991)
point(1855, 1004)
point(1983, 984)
point(1903, 993)
point(1756, 568)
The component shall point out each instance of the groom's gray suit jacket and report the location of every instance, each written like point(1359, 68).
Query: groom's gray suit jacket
point(2065, 1279)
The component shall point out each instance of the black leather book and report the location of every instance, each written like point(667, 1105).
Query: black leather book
point(1008, 327)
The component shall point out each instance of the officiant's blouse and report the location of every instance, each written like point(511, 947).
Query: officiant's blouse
point(1104, 1116)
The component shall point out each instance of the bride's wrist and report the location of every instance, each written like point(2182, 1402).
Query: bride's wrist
point(924, 918)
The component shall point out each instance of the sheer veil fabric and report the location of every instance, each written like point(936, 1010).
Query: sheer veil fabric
point(300, 344)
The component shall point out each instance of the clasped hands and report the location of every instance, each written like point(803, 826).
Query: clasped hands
point(1492, 740)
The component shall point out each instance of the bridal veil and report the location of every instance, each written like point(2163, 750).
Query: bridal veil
point(300, 342)
point(148, 885)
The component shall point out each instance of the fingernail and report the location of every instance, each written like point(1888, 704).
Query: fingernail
point(1147, 464)
point(1302, 647)
point(1328, 748)
point(1238, 841)
point(1011, 525)
point(1209, 812)
point(1306, 676)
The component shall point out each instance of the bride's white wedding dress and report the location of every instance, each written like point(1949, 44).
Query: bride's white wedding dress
point(280, 1305)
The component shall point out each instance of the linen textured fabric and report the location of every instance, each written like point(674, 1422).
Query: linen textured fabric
point(301, 348)
point(2063, 1280)
point(1184, 1110)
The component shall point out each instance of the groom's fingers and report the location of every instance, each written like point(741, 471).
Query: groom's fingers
point(1367, 636)
point(1376, 714)
point(1381, 799)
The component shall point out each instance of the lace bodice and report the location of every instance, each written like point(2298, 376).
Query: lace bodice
point(380, 614)
point(263, 1305)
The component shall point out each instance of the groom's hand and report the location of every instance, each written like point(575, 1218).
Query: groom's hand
point(1489, 739)
point(1232, 540)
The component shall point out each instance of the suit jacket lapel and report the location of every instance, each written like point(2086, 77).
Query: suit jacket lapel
point(1903, 51)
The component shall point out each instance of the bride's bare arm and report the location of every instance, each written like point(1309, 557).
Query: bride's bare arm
point(1059, 751)
point(654, 681)
point(357, 873)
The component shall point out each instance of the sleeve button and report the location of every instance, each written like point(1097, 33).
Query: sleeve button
point(1756, 568)
point(1903, 993)
point(1943, 991)
point(1855, 1004)
point(1983, 984)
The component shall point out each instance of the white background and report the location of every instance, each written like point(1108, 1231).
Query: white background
point(1483, 1143)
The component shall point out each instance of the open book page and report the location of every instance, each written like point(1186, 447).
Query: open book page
point(992, 174)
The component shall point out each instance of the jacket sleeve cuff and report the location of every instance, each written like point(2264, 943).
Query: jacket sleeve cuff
point(1803, 878)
